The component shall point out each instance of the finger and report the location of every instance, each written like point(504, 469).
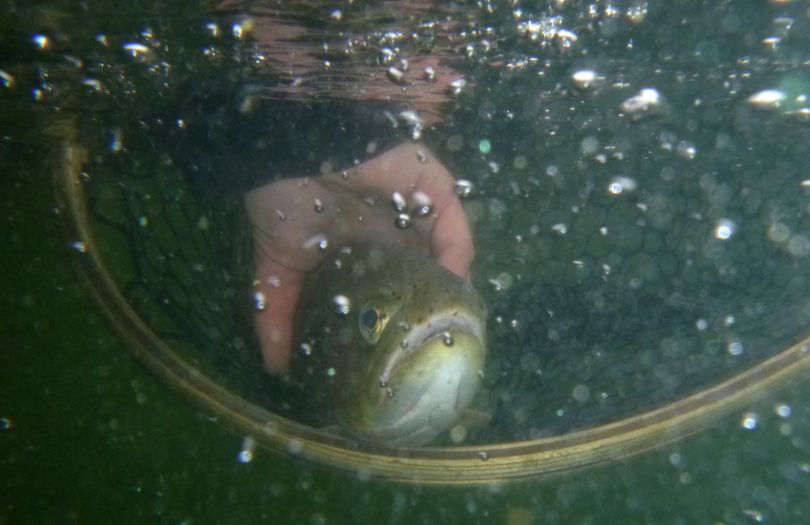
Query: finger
point(397, 170)
point(287, 224)
point(449, 234)
point(410, 168)
point(281, 290)
point(451, 239)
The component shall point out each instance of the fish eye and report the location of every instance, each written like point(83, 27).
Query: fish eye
point(369, 318)
point(371, 323)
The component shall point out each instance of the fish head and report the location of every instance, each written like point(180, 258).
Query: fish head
point(418, 360)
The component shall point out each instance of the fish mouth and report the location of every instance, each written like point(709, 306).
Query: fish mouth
point(433, 380)
point(435, 327)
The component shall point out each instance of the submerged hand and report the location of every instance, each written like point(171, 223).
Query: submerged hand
point(294, 219)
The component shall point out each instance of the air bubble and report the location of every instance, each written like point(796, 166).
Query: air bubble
point(457, 86)
point(41, 41)
point(411, 118)
point(317, 241)
point(306, 349)
point(318, 206)
point(246, 454)
point(213, 28)
point(565, 39)
point(778, 232)
point(724, 229)
point(755, 515)
point(497, 208)
point(645, 100)
point(637, 13)
point(798, 246)
point(457, 434)
point(386, 55)
point(342, 305)
point(447, 339)
point(675, 459)
point(403, 221)
point(455, 143)
point(294, 446)
point(620, 185)
point(767, 99)
point(735, 348)
point(241, 29)
point(422, 211)
point(137, 50)
point(464, 188)
point(423, 204)
point(782, 410)
point(589, 145)
point(586, 78)
point(749, 421)
point(503, 281)
point(6, 80)
point(116, 143)
point(686, 150)
point(581, 393)
point(429, 74)
point(398, 201)
point(6, 423)
point(259, 301)
point(484, 146)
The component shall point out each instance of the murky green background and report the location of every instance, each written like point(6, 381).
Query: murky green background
point(88, 436)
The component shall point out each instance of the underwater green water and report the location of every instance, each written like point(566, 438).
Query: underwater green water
point(87, 435)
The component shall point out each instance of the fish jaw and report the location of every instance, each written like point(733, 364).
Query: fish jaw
point(424, 392)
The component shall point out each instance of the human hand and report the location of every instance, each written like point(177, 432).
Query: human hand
point(293, 218)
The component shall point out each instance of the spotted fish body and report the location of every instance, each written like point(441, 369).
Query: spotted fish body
point(397, 341)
